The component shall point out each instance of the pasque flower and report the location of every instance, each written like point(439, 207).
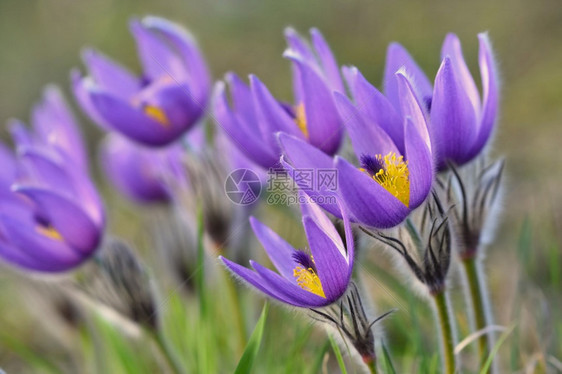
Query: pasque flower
point(395, 170)
point(138, 172)
point(256, 115)
point(51, 217)
point(461, 121)
point(156, 108)
point(306, 279)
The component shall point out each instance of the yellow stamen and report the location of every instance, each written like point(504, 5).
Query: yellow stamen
point(156, 114)
point(394, 176)
point(300, 119)
point(49, 231)
point(308, 280)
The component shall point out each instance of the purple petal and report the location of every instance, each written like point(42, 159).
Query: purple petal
point(331, 263)
point(16, 257)
point(74, 225)
point(110, 76)
point(132, 122)
point(376, 106)
point(279, 251)
point(21, 135)
point(397, 58)
point(453, 119)
point(328, 61)
point(187, 48)
point(420, 165)
point(157, 58)
point(248, 142)
point(411, 107)
point(81, 88)
point(294, 294)
point(325, 129)
point(242, 101)
point(367, 137)
point(368, 202)
point(452, 48)
point(271, 115)
point(490, 89)
point(254, 279)
point(312, 210)
point(298, 45)
point(303, 156)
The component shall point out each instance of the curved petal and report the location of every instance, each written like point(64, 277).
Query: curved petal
point(254, 279)
point(248, 142)
point(411, 107)
point(327, 60)
point(303, 156)
point(298, 45)
point(187, 48)
point(453, 119)
point(330, 262)
point(157, 58)
point(420, 165)
point(490, 88)
point(110, 76)
point(81, 88)
point(242, 100)
point(279, 251)
point(452, 48)
point(271, 115)
point(367, 137)
point(323, 123)
point(67, 218)
point(297, 296)
point(18, 258)
point(368, 202)
point(397, 58)
point(312, 210)
point(130, 121)
point(376, 106)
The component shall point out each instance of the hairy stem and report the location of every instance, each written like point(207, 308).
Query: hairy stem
point(372, 365)
point(445, 327)
point(477, 296)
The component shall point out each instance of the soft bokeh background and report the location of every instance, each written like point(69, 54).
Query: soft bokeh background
point(41, 41)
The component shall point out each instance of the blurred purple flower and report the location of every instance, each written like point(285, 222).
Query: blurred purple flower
point(161, 105)
point(51, 217)
point(255, 115)
point(307, 280)
point(461, 121)
point(395, 170)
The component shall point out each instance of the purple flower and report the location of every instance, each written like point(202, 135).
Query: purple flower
point(136, 171)
point(305, 279)
point(161, 105)
point(51, 217)
point(395, 170)
point(461, 121)
point(256, 115)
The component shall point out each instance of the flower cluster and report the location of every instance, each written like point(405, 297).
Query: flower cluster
point(399, 178)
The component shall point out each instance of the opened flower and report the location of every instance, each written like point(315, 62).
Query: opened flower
point(256, 115)
point(158, 107)
point(461, 121)
point(306, 278)
point(394, 173)
point(51, 217)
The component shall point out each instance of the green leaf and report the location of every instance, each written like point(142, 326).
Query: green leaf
point(252, 348)
point(388, 366)
point(338, 354)
point(495, 349)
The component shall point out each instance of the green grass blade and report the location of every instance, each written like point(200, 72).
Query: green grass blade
point(201, 262)
point(388, 365)
point(252, 348)
point(338, 354)
point(495, 350)
point(317, 365)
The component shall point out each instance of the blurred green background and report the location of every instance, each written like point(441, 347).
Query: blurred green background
point(41, 41)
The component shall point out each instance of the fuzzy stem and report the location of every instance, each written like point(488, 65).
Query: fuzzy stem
point(372, 365)
point(476, 295)
point(446, 330)
point(168, 353)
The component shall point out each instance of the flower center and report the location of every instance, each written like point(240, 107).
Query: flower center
point(49, 231)
point(156, 114)
point(305, 274)
point(300, 119)
point(391, 172)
